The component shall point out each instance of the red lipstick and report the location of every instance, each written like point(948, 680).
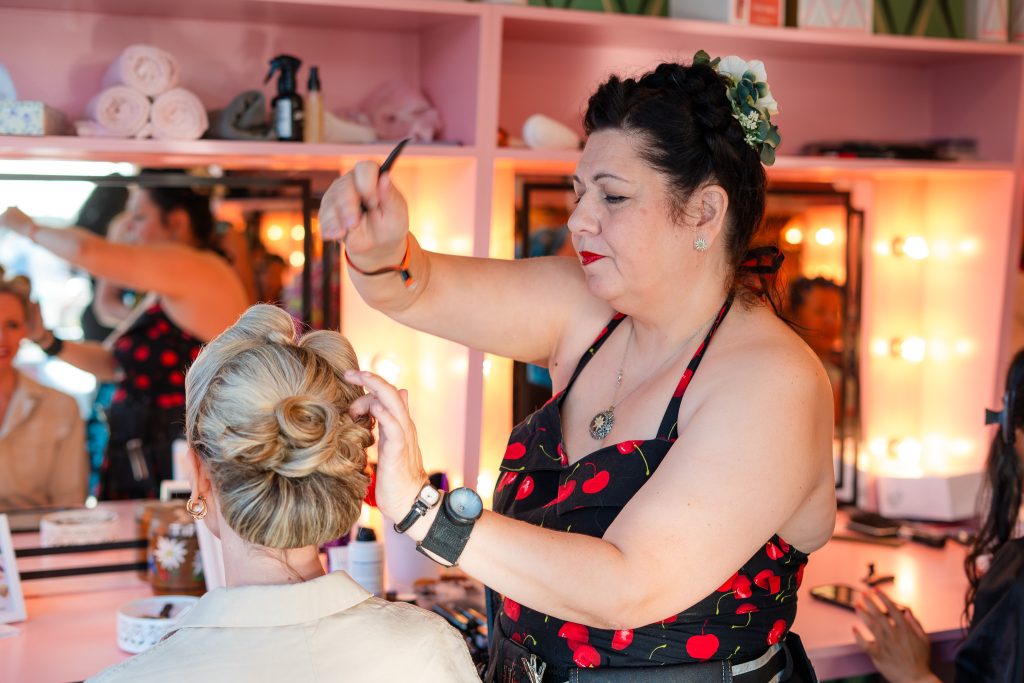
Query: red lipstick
point(588, 257)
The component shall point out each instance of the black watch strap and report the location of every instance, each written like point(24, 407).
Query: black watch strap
point(418, 509)
point(447, 538)
point(54, 347)
point(427, 498)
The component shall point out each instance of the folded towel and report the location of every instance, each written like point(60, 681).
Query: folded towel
point(178, 115)
point(145, 68)
point(245, 118)
point(118, 112)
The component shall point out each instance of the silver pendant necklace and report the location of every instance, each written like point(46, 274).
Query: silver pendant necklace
point(602, 423)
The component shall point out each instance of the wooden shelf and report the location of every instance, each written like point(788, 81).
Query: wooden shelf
point(564, 161)
point(573, 27)
point(395, 15)
point(285, 156)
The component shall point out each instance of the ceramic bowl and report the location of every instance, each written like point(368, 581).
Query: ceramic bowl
point(139, 624)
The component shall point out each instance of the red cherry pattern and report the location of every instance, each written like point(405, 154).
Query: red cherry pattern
point(777, 631)
point(702, 647)
point(564, 491)
point(769, 581)
point(525, 488)
point(596, 483)
point(586, 657)
point(746, 611)
point(507, 479)
point(574, 633)
point(622, 639)
point(741, 587)
point(511, 609)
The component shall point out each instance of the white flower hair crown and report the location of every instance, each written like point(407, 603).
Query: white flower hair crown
point(751, 99)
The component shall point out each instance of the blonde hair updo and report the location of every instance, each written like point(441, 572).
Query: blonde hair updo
point(267, 411)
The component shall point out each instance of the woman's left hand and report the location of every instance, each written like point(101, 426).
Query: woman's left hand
point(400, 474)
point(17, 220)
point(900, 650)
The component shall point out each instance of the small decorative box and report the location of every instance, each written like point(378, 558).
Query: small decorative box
point(754, 12)
point(988, 20)
point(142, 623)
point(77, 527)
point(25, 117)
point(845, 15)
point(1017, 21)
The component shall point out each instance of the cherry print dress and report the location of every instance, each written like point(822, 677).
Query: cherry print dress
point(147, 412)
point(748, 613)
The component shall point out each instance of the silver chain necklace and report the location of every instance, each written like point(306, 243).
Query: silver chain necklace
point(602, 423)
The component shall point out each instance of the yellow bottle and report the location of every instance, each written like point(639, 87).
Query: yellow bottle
point(314, 129)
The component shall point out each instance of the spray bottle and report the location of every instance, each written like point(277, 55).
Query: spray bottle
point(314, 123)
point(287, 105)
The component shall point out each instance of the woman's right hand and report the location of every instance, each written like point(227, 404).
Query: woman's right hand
point(374, 239)
point(400, 473)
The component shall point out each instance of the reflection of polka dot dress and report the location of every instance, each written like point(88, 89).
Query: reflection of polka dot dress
point(752, 609)
point(149, 403)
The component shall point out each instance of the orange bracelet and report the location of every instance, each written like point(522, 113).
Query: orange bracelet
point(402, 268)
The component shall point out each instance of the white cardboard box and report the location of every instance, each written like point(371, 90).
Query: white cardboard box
point(838, 15)
point(988, 20)
point(754, 12)
point(1017, 21)
point(935, 498)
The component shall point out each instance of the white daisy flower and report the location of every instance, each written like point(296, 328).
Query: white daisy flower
point(170, 552)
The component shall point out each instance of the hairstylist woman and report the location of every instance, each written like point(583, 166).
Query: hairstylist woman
point(659, 510)
point(194, 295)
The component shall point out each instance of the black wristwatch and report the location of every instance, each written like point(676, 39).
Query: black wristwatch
point(425, 499)
point(450, 531)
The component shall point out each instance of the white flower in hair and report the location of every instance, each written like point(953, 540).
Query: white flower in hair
point(752, 102)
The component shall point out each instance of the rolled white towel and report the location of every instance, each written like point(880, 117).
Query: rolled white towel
point(119, 112)
point(178, 115)
point(145, 68)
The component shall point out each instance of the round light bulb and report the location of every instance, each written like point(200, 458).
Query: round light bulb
point(825, 236)
point(296, 259)
point(907, 450)
point(915, 247)
point(793, 236)
point(910, 349)
point(298, 232)
point(275, 232)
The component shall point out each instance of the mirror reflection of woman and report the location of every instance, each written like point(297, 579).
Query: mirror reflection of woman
point(42, 439)
point(658, 511)
point(193, 295)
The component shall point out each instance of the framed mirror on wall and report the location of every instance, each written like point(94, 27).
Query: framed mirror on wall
point(820, 233)
point(262, 225)
point(543, 207)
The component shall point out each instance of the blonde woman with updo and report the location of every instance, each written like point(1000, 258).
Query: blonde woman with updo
point(279, 469)
point(42, 438)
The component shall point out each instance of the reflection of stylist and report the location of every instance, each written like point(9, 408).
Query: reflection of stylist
point(993, 651)
point(659, 510)
point(194, 295)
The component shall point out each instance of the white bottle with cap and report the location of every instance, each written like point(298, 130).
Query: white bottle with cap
point(366, 561)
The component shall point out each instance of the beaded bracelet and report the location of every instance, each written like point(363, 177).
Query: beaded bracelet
point(402, 268)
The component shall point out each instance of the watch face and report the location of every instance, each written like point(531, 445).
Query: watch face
point(464, 504)
point(429, 495)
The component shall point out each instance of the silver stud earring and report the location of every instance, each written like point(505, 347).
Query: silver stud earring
point(700, 244)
